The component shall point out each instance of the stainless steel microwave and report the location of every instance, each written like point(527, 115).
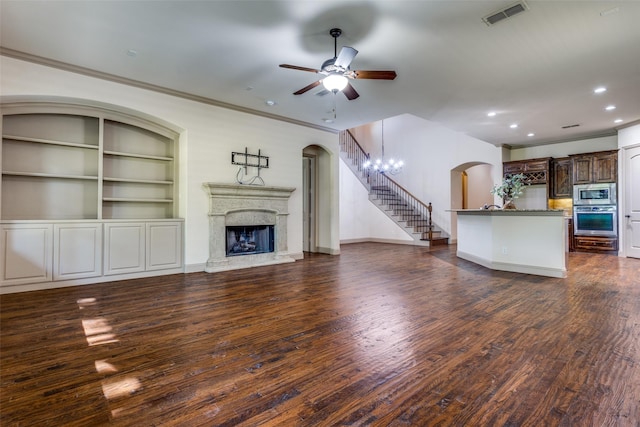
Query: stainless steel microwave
point(594, 194)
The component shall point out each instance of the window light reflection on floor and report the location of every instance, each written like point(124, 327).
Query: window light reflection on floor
point(104, 367)
point(98, 331)
point(121, 387)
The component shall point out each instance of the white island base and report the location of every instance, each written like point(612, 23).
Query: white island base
point(521, 241)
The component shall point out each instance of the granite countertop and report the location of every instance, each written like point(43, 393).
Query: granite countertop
point(523, 212)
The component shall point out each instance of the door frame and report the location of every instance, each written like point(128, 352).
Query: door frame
point(624, 177)
point(309, 202)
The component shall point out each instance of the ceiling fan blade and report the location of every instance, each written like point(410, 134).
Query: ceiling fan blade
point(295, 67)
point(380, 75)
point(307, 88)
point(350, 92)
point(345, 57)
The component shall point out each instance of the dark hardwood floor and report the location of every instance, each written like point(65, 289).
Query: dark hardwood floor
point(383, 335)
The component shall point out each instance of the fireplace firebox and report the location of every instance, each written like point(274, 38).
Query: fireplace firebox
point(249, 240)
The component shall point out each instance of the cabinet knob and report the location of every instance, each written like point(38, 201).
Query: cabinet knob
point(627, 216)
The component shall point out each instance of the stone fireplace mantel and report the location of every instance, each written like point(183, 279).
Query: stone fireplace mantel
point(246, 205)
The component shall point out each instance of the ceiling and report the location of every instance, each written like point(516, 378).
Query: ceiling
point(537, 69)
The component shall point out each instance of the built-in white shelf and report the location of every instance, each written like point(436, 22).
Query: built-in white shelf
point(138, 156)
point(119, 199)
point(137, 181)
point(50, 175)
point(49, 141)
point(66, 165)
point(71, 176)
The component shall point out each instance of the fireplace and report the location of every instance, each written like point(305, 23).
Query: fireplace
point(249, 240)
point(247, 226)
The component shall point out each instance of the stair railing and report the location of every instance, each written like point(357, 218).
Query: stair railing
point(385, 188)
point(350, 146)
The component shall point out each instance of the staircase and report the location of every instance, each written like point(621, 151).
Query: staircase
point(391, 198)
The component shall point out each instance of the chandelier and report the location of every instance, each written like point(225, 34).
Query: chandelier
point(390, 166)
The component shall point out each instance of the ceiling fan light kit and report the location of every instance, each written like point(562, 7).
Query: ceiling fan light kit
point(337, 71)
point(335, 82)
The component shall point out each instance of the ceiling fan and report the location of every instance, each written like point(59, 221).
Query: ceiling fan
point(337, 71)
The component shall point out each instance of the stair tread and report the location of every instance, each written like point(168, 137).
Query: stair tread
point(437, 241)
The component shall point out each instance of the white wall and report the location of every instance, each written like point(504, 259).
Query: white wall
point(430, 152)
point(209, 136)
point(629, 136)
point(360, 219)
point(564, 149)
point(479, 185)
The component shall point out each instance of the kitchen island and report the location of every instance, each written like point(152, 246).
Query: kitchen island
point(522, 241)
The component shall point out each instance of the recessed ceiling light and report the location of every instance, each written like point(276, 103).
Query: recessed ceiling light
point(491, 114)
point(531, 134)
point(618, 121)
point(610, 107)
point(600, 89)
point(513, 126)
point(132, 53)
point(327, 120)
point(270, 102)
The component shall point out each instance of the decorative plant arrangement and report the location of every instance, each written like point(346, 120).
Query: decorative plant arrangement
point(511, 188)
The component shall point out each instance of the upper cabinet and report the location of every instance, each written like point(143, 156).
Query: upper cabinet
point(74, 166)
point(561, 175)
point(536, 171)
point(595, 167)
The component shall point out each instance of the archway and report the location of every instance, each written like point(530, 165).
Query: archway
point(471, 185)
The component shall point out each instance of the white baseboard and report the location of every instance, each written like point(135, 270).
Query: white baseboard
point(10, 289)
point(515, 268)
point(374, 240)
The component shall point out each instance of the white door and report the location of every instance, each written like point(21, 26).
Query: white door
point(631, 214)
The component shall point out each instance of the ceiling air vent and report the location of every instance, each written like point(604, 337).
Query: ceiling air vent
point(505, 13)
point(570, 126)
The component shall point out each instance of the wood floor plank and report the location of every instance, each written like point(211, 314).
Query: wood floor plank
point(383, 334)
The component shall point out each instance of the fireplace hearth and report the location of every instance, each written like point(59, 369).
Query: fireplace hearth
point(247, 220)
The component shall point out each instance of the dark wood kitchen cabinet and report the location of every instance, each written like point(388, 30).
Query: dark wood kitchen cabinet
point(536, 171)
point(561, 175)
point(596, 243)
point(571, 241)
point(595, 167)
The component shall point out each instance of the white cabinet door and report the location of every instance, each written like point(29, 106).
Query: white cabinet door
point(124, 247)
point(26, 253)
point(164, 245)
point(77, 251)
